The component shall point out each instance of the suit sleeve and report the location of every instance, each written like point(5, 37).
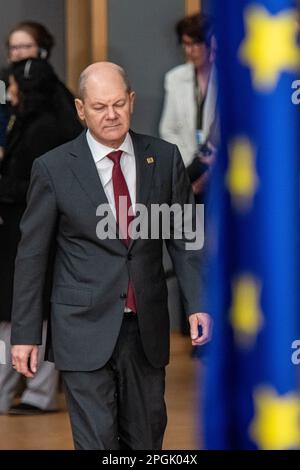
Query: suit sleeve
point(38, 229)
point(187, 253)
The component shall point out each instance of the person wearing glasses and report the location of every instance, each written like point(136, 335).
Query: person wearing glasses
point(189, 112)
point(189, 115)
point(30, 39)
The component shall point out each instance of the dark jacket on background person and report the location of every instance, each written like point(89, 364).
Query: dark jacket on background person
point(27, 141)
point(62, 104)
point(33, 130)
point(3, 124)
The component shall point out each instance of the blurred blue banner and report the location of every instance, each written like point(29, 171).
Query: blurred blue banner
point(251, 396)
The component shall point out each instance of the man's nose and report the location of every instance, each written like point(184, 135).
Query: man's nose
point(111, 113)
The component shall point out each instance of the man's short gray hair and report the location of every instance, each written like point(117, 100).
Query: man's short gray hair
point(85, 75)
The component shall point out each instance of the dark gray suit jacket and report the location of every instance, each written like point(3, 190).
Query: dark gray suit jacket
point(91, 275)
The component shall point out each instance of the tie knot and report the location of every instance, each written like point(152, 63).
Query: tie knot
point(115, 156)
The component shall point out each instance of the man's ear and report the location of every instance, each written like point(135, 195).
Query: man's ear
point(80, 108)
point(131, 99)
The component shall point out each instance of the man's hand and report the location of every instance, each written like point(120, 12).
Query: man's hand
point(205, 321)
point(24, 359)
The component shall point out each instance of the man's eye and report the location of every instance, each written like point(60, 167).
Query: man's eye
point(120, 104)
point(99, 108)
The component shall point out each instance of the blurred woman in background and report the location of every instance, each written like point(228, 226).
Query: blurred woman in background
point(189, 116)
point(33, 130)
point(30, 39)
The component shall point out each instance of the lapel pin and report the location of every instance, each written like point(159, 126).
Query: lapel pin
point(150, 160)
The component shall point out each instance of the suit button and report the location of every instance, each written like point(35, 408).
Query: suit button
point(129, 256)
point(123, 296)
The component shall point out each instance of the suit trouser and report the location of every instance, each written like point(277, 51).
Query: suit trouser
point(40, 391)
point(121, 405)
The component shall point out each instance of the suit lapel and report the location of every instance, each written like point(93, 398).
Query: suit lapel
point(145, 166)
point(85, 171)
point(84, 168)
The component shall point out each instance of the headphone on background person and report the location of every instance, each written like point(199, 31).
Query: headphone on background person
point(43, 53)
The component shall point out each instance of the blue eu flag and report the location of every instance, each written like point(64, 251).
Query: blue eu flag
point(251, 400)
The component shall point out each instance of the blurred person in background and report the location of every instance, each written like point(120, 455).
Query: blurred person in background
point(189, 117)
point(32, 131)
point(189, 112)
point(30, 39)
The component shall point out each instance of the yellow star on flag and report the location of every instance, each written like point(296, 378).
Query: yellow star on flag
point(270, 46)
point(241, 177)
point(245, 313)
point(276, 423)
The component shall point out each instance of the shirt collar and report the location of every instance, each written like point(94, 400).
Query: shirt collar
point(99, 151)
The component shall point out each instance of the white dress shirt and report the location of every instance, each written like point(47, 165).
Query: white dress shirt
point(105, 165)
point(178, 120)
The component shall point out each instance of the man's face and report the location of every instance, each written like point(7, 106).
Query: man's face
point(196, 52)
point(106, 108)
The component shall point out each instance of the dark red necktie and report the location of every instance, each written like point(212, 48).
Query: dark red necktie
point(122, 210)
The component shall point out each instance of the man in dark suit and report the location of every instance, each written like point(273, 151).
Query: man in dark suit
point(109, 316)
